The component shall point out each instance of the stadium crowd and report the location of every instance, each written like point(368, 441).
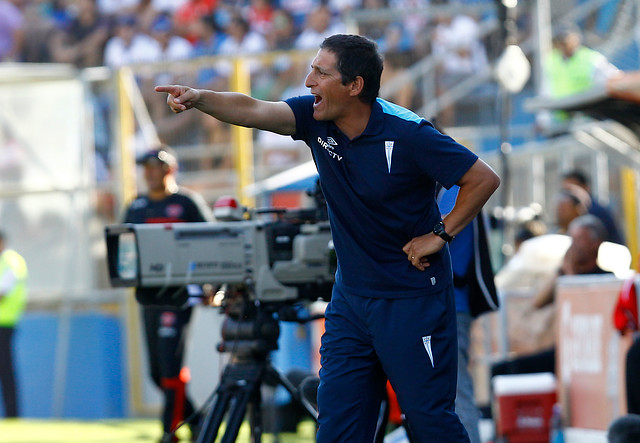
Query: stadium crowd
point(118, 32)
point(115, 33)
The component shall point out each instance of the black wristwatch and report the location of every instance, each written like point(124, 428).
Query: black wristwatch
point(438, 230)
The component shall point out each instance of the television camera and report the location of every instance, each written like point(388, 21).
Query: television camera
point(266, 263)
point(285, 259)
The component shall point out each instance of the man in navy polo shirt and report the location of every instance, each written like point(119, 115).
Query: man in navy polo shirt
point(392, 312)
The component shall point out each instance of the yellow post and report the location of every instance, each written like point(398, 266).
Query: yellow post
point(125, 133)
point(242, 138)
point(127, 181)
point(629, 186)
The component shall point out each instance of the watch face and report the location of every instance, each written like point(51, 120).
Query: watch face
point(440, 232)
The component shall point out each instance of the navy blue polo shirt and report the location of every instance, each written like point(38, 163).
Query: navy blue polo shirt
point(380, 192)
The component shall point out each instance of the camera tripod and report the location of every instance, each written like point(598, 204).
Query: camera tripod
point(249, 333)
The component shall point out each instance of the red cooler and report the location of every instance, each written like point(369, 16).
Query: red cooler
point(522, 406)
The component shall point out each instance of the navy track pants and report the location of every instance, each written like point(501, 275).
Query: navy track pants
point(410, 341)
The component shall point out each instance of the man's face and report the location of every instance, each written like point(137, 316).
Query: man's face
point(565, 211)
point(569, 44)
point(325, 84)
point(154, 175)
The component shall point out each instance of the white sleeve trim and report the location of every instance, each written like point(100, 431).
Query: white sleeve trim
point(8, 280)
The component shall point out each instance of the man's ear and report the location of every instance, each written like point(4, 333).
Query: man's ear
point(168, 169)
point(356, 86)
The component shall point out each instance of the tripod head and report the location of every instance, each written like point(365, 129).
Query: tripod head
point(251, 328)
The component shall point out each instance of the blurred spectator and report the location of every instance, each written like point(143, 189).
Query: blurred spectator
point(456, 42)
point(299, 9)
point(83, 41)
point(11, 30)
point(319, 25)
point(374, 29)
point(625, 429)
point(527, 230)
point(569, 69)
point(572, 67)
point(282, 36)
point(172, 129)
point(286, 70)
point(396, 39)
point(208, 36)
point(579, 178)
point(113, 8)
point(13, 299)
point(241, 39)
point(57, 10)
point(167, 6)
point(571, 202)
point(587, 234)
point(189, 13)
point(40, 27)
point(171, 46)
point(128, 45)
point(260, 15)
point(342, 7)
point(414, 24)
point(394, 65)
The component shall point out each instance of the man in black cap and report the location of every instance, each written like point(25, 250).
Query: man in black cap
point(166, 310)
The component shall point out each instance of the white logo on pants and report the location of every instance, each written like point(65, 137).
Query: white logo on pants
point(426, 341)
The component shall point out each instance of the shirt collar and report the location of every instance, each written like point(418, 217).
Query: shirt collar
point(375, 125)
point(376, 120)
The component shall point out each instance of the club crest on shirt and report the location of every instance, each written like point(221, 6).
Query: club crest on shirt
point(174, 211)
point(388, 149)
point(168, 319)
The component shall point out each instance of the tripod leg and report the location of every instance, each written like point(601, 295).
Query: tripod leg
point(256, 415)
point(214, 418)
point(236, 416)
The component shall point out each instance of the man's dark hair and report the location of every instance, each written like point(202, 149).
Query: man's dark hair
point(566, 29)
point(357, 56)
point(596, 228)
point(624, 429)
point(577, 176)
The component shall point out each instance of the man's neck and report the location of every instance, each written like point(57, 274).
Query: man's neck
point(355, 122)
point(160, 194)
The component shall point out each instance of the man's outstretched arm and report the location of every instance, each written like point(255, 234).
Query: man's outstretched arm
point(232, 107)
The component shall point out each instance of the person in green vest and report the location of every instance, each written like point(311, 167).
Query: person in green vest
point(13, 298)
point(572, 68)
